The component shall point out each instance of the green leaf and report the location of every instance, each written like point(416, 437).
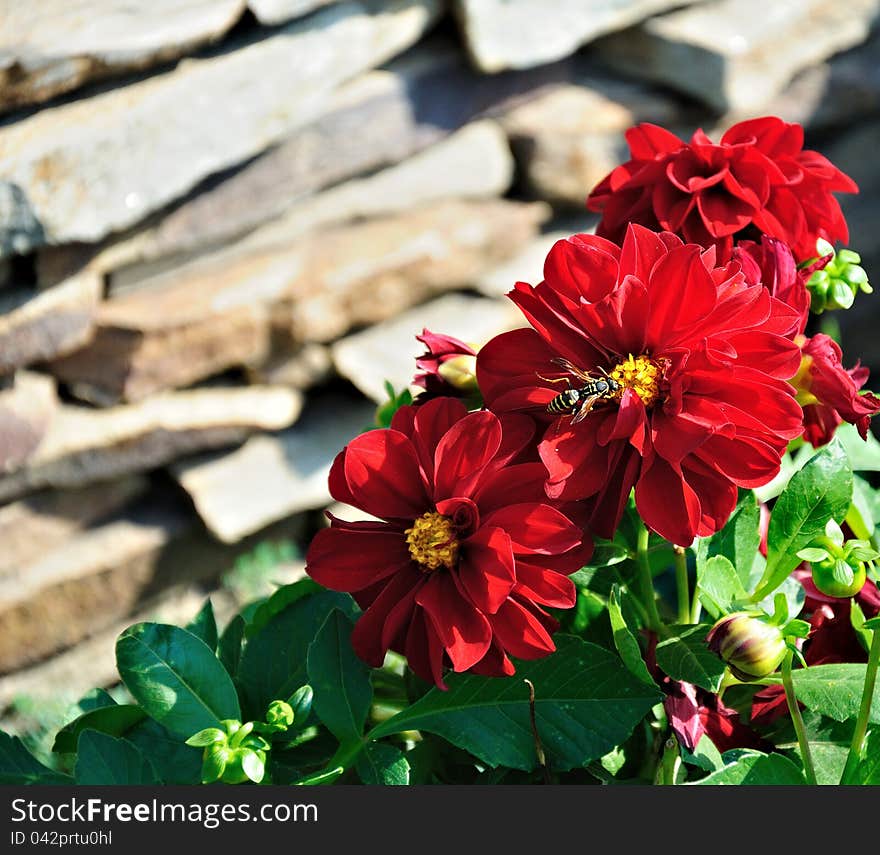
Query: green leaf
point(626, 643)
point(719, 586)
point(829, 742)
point(18, 766)
point(175, 677)
point(380, 763)
point(254, 766)
point(204, 625)
point(208, 736)
point(340, 680)
point(868, 770)
point(586, 703)
point(756, 769)
point(91, 700)
point(738, 540)
point(686, 657)
point(229, 645)
point(864, 454)
point(273, 665)
point(835, 690)
point(385, 412)
point(115, 721)
point(106, 760)
point(705, 755)
point(175, 762)
point(285, 596)
point(822, 490)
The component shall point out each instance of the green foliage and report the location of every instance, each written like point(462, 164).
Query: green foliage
point(685, 656)
point(819, 492)
point(381, 763)
point(175, 677)
point(586, 703)
point(835, 690)
point(108, 760)
point(754, 768)
point(385, 411)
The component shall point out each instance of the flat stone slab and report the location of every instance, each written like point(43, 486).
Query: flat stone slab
point(567, 140)
point(272, 477)
point(387, 351)
point(503, 34)
point(101, 164)
point(32, 527)
point(27, 409)
point(738, 54)
point(38, 326)
point(83, 445)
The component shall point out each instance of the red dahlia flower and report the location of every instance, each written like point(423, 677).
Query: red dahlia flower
point(469, 548)
point(448, 367)
point(758, 179)
point(829, 393)
point(693, 360)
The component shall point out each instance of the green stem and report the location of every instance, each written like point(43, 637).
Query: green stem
point(855, 749)
point(646, 580)
point(696, 606)
point(796, 719)
point(681, 584)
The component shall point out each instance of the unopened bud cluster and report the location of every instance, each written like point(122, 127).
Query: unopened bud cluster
point(752, 646)
point(836, 284)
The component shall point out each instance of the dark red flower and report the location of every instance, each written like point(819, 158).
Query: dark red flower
point(694, 360)
point(829, 393)
point(448, 367)
point(757, 180)
point(468, 549)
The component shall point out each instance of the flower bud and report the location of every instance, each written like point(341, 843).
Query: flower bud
point(750, 645)
point(460, 372)
point(279, 716)
point(836, 278)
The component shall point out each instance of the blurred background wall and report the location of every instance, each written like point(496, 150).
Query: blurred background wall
point(222, 223)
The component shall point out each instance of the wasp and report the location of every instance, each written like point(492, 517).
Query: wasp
point(578, 401)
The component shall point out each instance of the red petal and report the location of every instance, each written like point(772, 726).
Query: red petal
point(464, 450)
point(464, 631)
point(486, 569)
point(520, 632)
point(544, 586)
point(382, 472)
point(536, 528)
point(667, 503)
point(345, 558)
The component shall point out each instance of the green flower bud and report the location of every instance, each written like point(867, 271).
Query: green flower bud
point(835, 286)
point(750, 645)
point(279, 715)
point(301, 703)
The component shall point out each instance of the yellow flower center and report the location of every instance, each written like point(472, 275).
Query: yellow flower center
point(431, 541)
point(803, 380)
point(641, 374)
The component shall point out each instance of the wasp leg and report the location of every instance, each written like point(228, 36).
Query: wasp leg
point(557, 380)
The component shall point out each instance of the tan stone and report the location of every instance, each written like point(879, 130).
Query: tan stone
point(387, 351)
point(570, 138)
point(84, 445)
point(27, 409)
point(32, 527)
point(41, 326)
point(271, 477)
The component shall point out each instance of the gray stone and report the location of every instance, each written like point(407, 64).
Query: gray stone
point(570, 138)
point(103, 163)
point(43, 325)
point(528, 264)
point(84, 445)
point(27, 408)
point(473, 162)
point(387, 351)
point(298, 367)
point(32, 527)
point(503, 34)
point(271, 12)
point(376, 120)
point(737, 54)
point(21, 230)
point(272, 477)
point(54, 46)
point(831, 95)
